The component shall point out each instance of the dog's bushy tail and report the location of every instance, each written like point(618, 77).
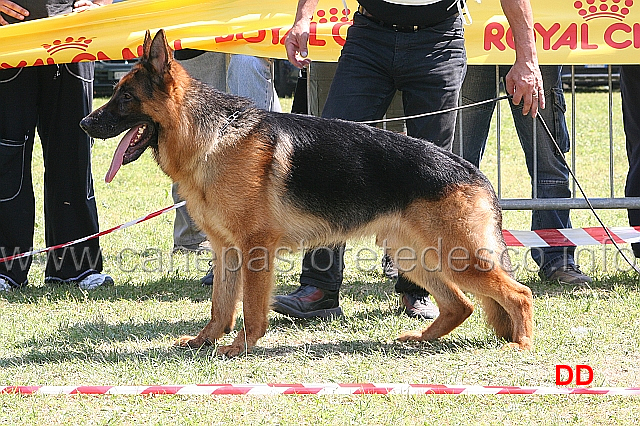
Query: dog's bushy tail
point(497, 318)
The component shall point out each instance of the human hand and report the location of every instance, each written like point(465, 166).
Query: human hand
point(82, 5)
point(296, 43)
point(11, 9)
point(524, 83)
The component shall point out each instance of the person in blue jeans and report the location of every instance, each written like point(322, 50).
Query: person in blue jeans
point(630, 93)
point(211, 69)
point(417, 49)
point(252, 77)
point(556, 263)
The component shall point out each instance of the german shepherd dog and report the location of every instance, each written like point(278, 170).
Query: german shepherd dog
point(257, 181)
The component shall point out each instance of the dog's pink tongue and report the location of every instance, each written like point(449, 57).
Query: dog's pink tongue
point(118, 156)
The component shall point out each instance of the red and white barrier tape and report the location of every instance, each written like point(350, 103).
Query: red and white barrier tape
point(539, 238)
point(571, 237)
point(313, 389)
point(99, 234)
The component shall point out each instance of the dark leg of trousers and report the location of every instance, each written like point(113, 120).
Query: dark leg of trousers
point(630, 91)
point(53, 98)
point(69, 199)
point(18, 116)
point(364, 86)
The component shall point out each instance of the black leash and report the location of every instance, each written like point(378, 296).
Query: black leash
point(444, 111)
point(584, 195)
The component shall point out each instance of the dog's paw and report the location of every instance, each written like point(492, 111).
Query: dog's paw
point(512, 346)
point(410, 336)
point(190, 342)
point(231, 351)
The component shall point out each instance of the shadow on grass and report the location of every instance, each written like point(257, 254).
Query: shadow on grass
point(104, 342)
point(99, 341)
point(316, 351)
point(166, 289)
point(39, 355)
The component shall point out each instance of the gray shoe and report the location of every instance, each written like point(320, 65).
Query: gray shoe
point(4, 285)
point(94, 281)
point(568, 274)
point(388, 268)
point(192, 248)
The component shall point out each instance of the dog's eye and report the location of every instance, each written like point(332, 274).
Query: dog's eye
point(127, 96)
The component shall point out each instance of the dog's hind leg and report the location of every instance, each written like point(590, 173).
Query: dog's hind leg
point(497, 317)
point(508, 306)
point(224, 297)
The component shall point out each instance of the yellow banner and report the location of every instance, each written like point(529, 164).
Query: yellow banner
point(567, 31)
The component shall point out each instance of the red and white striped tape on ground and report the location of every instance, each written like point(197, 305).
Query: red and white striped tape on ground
point(539, 238)
point(313, 389)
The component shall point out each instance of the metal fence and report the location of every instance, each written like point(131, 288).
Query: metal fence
point(606, 79)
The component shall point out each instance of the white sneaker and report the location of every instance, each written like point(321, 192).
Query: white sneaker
point(4, 285)
point(94, 281)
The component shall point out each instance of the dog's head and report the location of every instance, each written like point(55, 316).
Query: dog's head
point(136, 105)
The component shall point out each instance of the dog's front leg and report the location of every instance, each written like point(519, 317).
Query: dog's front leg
point(257, 277)
point(224, 296)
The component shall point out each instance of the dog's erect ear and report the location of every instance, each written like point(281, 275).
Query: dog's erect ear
point(146, 46)
point(159, 53)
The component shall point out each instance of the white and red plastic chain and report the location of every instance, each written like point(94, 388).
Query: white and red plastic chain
point(539, 238)
point(96, 235)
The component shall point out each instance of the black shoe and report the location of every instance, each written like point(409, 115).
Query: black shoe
point(568, 274)
point(418, 306)
point(308, 302)
point(207, 279)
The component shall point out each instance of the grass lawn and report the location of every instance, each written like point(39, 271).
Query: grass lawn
point(122, 335)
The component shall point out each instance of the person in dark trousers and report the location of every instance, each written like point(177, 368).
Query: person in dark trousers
point(630, 93)
point(417, 49)
point(51, 99)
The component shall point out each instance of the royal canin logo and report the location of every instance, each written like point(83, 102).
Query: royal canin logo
point(81, 43)
point(335, 15)
point(592, 9)
point(612, 32)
